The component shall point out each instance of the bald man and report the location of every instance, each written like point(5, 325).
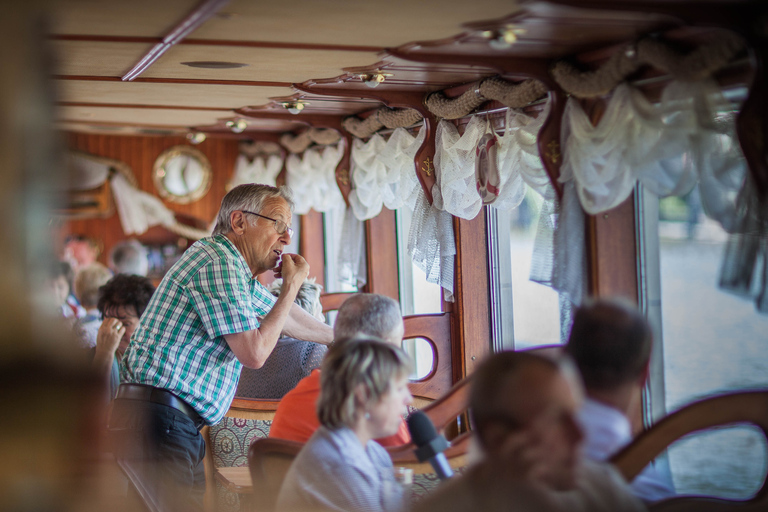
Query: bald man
point(368, 314)
point(524, 410)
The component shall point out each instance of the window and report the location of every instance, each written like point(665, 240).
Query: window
point(526, 313)
point(708, 342)
point(335, 279)
point(417, 296)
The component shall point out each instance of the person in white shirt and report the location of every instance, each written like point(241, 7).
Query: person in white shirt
point(610, 342)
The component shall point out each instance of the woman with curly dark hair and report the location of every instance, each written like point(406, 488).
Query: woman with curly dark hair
point(122, 300)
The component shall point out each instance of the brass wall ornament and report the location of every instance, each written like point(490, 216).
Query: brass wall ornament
point(343, 176)
point(553, 151)
point(182, 174)
point(427, 167)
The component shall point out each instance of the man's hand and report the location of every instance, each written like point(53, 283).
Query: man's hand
point(519, 458)
point(293, 269)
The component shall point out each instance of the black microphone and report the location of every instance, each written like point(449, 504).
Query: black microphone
point(429, 444)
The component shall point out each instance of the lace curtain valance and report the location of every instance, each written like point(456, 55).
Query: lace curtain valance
point(260, 169)
point(667, 147)
point(312, 178)
point(383, 173)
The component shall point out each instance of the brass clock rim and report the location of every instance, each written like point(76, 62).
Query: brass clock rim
point(171, 153)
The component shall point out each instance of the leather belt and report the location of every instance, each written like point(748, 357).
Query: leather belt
point(159, 396)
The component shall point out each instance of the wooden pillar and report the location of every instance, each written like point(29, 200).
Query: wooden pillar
point(381, 248)
point(312, 246)
point(612, 252)
point(471, 308)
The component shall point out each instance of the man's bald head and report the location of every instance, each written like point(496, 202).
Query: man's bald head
point(370, 314)
point(534, 400)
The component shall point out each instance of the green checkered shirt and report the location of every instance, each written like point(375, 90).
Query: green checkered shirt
point(179, 343)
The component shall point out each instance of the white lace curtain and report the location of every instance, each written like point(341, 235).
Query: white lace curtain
point(688, 138)
point(312, 178)
point(260, 169)
point(667, 147)
point(383, 175)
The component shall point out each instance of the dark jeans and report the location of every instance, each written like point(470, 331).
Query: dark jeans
point(163, 448)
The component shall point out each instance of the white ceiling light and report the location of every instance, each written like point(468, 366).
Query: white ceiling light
point(196, 137)
point(238, 126)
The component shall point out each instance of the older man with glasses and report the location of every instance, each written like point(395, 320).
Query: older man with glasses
point(208, 318)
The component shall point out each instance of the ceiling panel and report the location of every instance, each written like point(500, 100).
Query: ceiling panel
point(96, 58)
point(264, 64)
point(184, 95)
point(141, 116)
point(348, 22)
point(136, 18)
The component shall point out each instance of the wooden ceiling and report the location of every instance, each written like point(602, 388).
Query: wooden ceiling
point(305, 49)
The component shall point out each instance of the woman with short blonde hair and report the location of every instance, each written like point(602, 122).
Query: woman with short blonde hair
point(364, 393)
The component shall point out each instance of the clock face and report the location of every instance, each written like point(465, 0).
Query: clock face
point(182, 174)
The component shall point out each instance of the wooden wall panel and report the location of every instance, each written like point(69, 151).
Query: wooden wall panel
point(140, 154)
point(381, 236)
point(471, 310)
point(312, 245)
point(612, 252)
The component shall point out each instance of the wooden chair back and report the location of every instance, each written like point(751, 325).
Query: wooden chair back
point(746, 407)
point(243, 408)
point(268, 461)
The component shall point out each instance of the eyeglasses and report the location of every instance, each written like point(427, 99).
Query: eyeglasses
point(280, 226)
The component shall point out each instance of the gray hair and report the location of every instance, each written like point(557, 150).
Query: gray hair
point(251, 197)
point(308, 297)
point(129, 257)
point(368, 314)
point(350, 363)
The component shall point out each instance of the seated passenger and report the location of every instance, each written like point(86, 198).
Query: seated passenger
point(364, 393)
point(523, 409)
point(58, 293)
point(366, 314)
point(610, 342)
point(87, 283)
point(129, 257)
point(122, 300)
point(291, 360)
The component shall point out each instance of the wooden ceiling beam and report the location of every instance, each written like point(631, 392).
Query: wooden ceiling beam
point(190, 81)
point(218, 42)
point(132, 105)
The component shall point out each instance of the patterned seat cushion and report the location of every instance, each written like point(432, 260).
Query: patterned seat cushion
point(231, 438)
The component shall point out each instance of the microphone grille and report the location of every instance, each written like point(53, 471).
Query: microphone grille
point(421, 428)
